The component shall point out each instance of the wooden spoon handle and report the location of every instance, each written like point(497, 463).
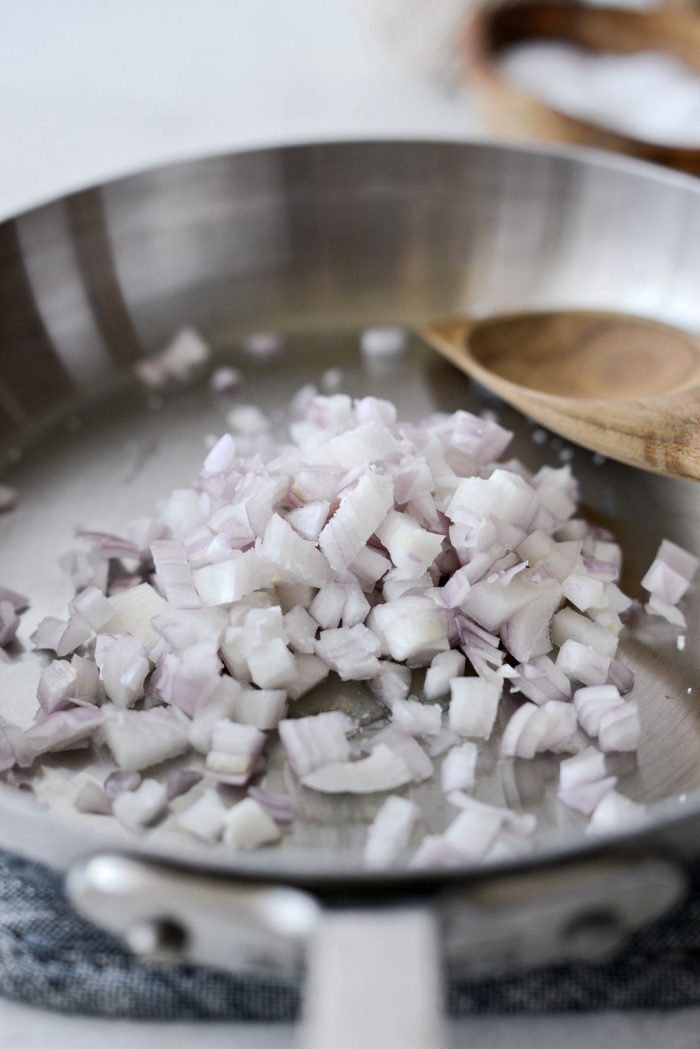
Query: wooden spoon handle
point(656, 433)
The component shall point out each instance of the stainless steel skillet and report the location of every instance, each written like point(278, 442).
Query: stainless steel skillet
point(318, 241)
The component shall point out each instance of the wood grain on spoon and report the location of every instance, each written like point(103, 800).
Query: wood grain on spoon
point(626, 387)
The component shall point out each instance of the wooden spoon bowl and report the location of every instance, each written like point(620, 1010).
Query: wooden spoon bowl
point(626, 387)
point(511, 112)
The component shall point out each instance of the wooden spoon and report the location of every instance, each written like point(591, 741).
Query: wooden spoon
point(626, 387)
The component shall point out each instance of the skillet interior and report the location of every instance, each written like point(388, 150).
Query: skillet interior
point(318, 240)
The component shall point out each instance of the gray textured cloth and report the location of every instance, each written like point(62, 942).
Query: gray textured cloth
point(51, 957)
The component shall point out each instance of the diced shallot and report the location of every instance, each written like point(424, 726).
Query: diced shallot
point(560, 727)
point(263, 708)
point(473, 706)
point(225, 381)
point(317, 740)
point(383, 344)
point(534, 729)
point(182, 781)
point(124, 666)
point(174, 573)
point(60, 730)
point(540, 680)
point(263, 345)
point(441, 742)
point(48, 633)
point(63, 681)
point(527, 634)
point(234, 750)
point(358, 516)
point(667, 580)
point(459, 768)
point(583, 663)
point(309, 520)
point(411, 548)
point(300, 628)
point(391, 682)
point(369, 566)
point(569, 625)
point(327, 607)
point(351, 651)
point(220, 705)
point(381, 770)
point(136, 809)
point(178, 362)
point(94, 799)
point(93, 606)
point(406, 748)
point(435, 851)
point(133, 613)
point(615, 813)
point(296, 559)
point(310, 671)
point(413, 627)
point(271, 665)
point(678, 559)
point(444, 667)
point(416, 718)
point(228, 581)
point(621, 676)
point(247, 826)
point(585, 767)
point(362, 547)
point(118, 782)
point(279, 806)
point(204, 818)
point(141, 738)
point(473, 831)
point(390, 831)
point(592, 703)
point(19, 602)
point(584, 797)
point(619, 728)
point(656, 607)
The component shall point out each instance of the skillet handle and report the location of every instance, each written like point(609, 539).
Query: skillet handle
point(374, 976)
point(374, 981)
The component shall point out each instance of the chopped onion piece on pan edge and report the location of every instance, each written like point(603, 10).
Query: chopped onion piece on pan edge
point(138, 808)
point(381, 770)
point(367, 548)
point(458, 770)
point(248, 825)
point(390, 831)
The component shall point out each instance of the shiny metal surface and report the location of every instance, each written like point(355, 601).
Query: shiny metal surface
point(319, 241)
point(161, 913)
point(581, 910)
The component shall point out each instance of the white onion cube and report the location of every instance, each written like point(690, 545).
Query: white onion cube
point(137, 808)
point(444, 667)
point(248, 826)
point(473, 706)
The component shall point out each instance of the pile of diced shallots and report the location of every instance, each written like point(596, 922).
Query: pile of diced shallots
point(366, 548)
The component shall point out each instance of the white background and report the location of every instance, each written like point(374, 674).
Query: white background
point(92, 89)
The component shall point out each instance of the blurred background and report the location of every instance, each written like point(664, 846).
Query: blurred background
point(91, 90)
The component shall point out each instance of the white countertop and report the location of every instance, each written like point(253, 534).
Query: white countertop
point(93, 90)
point(89, 91)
